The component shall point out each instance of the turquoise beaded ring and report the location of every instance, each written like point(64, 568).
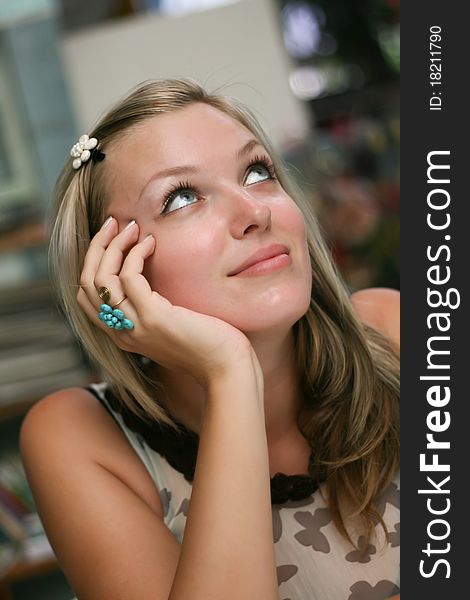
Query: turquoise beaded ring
point(114, 318)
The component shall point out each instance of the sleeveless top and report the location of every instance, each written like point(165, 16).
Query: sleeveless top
point(314, 562)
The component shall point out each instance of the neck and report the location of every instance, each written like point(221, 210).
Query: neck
point(186, 398)
point(281, 384)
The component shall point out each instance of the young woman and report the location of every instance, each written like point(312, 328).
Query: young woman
point(245, 443)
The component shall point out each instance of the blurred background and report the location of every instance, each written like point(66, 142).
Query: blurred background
point(323, 78)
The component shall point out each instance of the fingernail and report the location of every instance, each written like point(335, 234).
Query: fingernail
point(107, 222)
point(129, 225)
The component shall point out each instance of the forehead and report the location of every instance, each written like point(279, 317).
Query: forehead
point(192, 128)
point(197, 134)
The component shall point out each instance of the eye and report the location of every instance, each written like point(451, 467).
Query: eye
point(179, 196)
point(259, 170)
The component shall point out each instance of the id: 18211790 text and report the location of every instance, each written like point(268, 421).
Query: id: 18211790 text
point(435, 67)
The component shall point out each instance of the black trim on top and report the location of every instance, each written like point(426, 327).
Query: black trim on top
point(180, 450)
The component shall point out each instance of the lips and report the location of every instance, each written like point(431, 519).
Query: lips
point(259, 256)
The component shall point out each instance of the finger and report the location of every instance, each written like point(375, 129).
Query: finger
point(95, 252)
point(109, 268)
point(135, 285)
point(91, 312)
point(89, 309)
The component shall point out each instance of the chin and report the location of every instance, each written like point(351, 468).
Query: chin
point(270, 318)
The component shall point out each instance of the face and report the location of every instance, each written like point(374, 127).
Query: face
point(229, 241)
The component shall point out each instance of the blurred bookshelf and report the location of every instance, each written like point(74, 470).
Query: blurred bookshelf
point(38, 355)
point(24, 549)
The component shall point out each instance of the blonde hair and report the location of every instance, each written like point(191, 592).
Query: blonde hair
point(349, 372)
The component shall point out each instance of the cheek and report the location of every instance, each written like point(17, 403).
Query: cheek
point(177, 268)
point(289, 219)
point(293, 222)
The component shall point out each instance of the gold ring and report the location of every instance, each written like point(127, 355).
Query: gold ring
point(118, 303)
point(104, 294)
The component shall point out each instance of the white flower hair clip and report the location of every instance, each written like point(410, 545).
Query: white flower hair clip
point(85, 148)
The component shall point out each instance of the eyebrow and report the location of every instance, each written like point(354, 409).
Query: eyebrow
point(182, 169)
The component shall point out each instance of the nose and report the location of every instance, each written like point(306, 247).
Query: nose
point(247, 214)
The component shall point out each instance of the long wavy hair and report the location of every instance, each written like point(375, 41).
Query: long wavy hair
point(349, 372)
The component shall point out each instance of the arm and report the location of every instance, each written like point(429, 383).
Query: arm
point(380, 308)
point(228, 550)
point(100, 514)
point(95, 514)
point(98, 505)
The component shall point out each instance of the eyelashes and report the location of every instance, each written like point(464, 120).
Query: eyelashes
point(180, 189)
point(266, 163)
point(186, 188)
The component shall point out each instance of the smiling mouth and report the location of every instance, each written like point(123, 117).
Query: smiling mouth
point(266, 266)
point(265, 260)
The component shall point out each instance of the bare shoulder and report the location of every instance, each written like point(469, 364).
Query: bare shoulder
point(57, 411)
point(99, 506)
point(71, 415)
point(379, 308)
point(78, 428)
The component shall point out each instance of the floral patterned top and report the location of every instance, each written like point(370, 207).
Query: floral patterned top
point(314, 562)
